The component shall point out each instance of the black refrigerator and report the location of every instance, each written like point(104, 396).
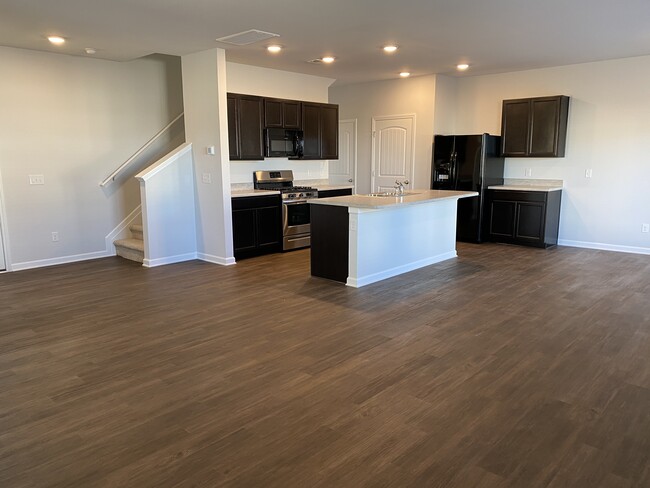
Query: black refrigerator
point(467, 163)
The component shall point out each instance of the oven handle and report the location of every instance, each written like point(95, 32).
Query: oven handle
point(295, 202)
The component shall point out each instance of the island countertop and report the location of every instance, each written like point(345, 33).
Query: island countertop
point(410, 197)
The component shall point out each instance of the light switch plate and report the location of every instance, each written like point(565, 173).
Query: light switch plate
point(36, 179)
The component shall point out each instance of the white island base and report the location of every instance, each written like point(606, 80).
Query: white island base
point(382, 237)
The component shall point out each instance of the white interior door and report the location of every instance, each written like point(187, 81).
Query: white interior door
point(3, 264)
point(343, 171)
point(392, 151)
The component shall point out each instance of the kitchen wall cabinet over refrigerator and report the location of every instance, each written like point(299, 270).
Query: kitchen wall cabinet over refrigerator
point(534, 127)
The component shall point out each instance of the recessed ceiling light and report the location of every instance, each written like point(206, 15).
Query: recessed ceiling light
point(274, 48)
point(390, 48)
point(405, 74)
point(327, 59)
point(462, 66)
point(90, 50)
point(58, 40)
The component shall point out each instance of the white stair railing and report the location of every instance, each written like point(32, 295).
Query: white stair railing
point(110, 178)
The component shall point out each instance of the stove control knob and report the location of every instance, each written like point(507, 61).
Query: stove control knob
point(301, 195)
point(291, 195)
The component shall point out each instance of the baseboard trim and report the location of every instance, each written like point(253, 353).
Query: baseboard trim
point(179, 258)
point(215, 259)
point(120, 231)
point(389, 273)
point(604, 247)
point(41, 263)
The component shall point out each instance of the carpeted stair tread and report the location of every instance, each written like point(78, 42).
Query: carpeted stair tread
point(133, 244)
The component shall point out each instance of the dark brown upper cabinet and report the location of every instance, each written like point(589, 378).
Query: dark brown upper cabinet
point(285, 114)
point(320, 125)
point(245, 127)
point(534, 127)
point(248, 115)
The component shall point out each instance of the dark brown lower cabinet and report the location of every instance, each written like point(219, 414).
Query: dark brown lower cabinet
point(256, 225)
point(530, 218)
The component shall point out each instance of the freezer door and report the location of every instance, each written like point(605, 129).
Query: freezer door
point(442, 167)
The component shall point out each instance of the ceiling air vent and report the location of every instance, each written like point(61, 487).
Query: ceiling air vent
point(247, 37)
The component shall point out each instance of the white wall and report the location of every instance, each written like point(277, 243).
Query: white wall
point(266, 82)
point(74, 120)
point(394, 97)
point(168, 208)
point(608, 131)
point(206, 124)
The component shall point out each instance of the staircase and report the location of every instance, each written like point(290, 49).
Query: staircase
point(132, 248)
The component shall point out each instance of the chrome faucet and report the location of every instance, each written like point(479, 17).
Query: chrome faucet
point(399, 186)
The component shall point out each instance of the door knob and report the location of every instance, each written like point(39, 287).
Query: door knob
point(350, 180)
point(406, 182)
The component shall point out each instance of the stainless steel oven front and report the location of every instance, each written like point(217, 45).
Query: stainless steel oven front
point(296, 226)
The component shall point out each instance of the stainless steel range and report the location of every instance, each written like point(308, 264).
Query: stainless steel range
point(296, 227)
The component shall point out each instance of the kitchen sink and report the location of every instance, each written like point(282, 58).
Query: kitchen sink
point(391, 194)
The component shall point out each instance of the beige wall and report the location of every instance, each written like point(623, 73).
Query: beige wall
point(608, 132)
point(364, 101)
point(266, 82)
point(74, 120)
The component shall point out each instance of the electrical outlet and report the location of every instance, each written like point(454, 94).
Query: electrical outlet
point(55, 237)
point(645, 227)
point(36, 179)
point(529, 171)
point(206, 178)
point(588, 173)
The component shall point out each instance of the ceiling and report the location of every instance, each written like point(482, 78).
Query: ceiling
point(433, 35)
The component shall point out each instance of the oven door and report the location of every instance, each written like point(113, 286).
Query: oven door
point(295, 218)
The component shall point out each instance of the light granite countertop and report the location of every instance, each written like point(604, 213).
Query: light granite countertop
point(515, 184)
point(252, 193)
point(414, 197)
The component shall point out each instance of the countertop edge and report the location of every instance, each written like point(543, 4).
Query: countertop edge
point(379, 203)
point(252, 193)
point(525, 188)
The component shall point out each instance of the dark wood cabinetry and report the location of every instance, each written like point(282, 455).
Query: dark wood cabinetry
point(249, 115)
point(529, 218)
point(320, 125)
point(339, 192)
point(284, 114)
point(534, 127)
point(245, 127)
point(256, 225)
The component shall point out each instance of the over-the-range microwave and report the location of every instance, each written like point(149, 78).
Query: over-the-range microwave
point(284, 143)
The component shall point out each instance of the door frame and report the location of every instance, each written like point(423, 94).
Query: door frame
point(356, 150)
point(373, 134)
point(4, 236)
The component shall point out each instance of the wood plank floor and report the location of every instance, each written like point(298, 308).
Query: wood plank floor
point(506, 367)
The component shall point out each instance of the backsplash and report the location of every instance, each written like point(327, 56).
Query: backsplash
point(241, 172)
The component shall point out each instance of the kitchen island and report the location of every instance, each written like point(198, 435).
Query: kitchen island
point(361, 239)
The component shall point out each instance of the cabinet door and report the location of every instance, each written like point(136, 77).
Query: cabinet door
point(291, 114)
point(530, 222)
point(268, 227)
point(233, 128)
point(273, 113)
point(515, 123)
point(502, 218)
point(243, 230)
point(311, 130)
point(329, 144)
point(545, 113)
point(250, 128)
point(548, 126)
